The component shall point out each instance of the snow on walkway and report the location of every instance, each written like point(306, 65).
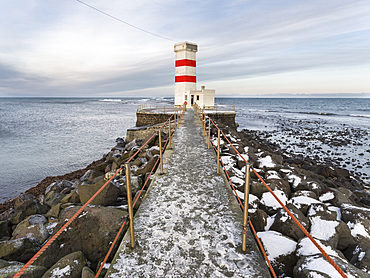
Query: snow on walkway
point(189, 224)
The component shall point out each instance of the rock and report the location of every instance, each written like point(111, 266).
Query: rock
point(134, 145)
point(68, 266)
point(267, 163)
point(21, 249)
point(303, 203)
point(305, 193)
point(13, 267)
point(75, 198)
point(32, 227)
point(66, 198)
point(100, 168)
point(258, 218)
point(280, 251)
point(257, 188)
point(53, 198)
point(342, 196)
point(26, 205)
point(147, 167)
point(58, 186)
point(54, 211)
point(279, 184)
point(359, 254)
point(285, 225)
point(91, 232)
point(345, 238)
point(318, 266)
point(89, 176)
point(106, 197)
point(350, 213)
point(87, 273)
point(5, 229)
point(269, 204)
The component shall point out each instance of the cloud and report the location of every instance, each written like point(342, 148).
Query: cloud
point(66, 48)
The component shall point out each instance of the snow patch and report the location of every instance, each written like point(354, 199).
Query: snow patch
point(61, 272)
point(269, 200)
point(327, 196)
point(266, 162)
point(322, 229)
point(276, 244)
point(358, 229)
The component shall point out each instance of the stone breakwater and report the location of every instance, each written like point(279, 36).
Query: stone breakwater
point(330, 203)
point(29, 220)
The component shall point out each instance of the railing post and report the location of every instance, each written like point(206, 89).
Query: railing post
point(175, 123)
point(246, 200)
point(130, 208)
point(204, 125)
point(169, 134)
point(160, 151)
point(218, 151)
point(209, 132)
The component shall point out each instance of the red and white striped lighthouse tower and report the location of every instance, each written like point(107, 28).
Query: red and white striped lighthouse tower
point(185, 77)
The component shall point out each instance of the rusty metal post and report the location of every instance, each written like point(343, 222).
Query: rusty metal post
point(160, 151)
point(209, 132)
point(130, 208)
point(218, 150)
point(175, 123)
point(246, 200)
point(204, 125)
point(169, 134)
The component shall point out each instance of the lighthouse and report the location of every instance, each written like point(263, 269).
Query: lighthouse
point(186, 78)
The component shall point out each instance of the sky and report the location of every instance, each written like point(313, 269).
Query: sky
point(245, 48)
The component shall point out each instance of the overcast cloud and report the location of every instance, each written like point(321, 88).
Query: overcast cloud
point(64, 48)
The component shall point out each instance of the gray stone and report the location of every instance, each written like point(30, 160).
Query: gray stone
point(21, 249)
point(91, 232)
point(258, 218)
point(54, 211)
point(32, 227)
point(305, 268)
point(13, 267)
point(69, 266)
point(279, 184)
point(284, 224)
point(359, 254)
point(106, 197)
point(257, 188)
point(87, 273)
point(53, 198)
point(305, 193)
point(5, 229)
point(26, 205)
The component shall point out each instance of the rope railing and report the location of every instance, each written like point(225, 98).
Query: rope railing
point(176, 116)
point(203, 118)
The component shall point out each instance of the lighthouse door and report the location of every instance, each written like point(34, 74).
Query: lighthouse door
point(192, 100)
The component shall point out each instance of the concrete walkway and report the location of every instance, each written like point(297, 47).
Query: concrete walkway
point(189, 224)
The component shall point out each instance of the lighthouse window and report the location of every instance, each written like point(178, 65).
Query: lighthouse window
point(197, 97)
point(186, 97)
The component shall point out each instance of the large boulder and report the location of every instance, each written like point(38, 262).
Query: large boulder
point(325, 226)
point(312, 263)
point(148, 166)
point(69, 266)
point(279, 184)
point(53, 197)
point(26, 205)
point(9, 269)
point(269, 202)
point(268, 163)
point(5, 229)
point(280, 251)
point(106, 197)
point(21, 249)
point(32, 226)
point(284, 223)
point(258, 218)
point(91, 232)
point(359, 254)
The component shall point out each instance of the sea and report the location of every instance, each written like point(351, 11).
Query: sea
point(42, 137)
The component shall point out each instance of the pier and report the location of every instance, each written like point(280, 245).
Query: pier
point(189, 224)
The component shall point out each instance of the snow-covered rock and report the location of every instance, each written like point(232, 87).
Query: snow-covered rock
point(280, 250)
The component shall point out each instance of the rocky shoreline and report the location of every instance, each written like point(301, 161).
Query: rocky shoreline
point(331, 203)
point(322, 196)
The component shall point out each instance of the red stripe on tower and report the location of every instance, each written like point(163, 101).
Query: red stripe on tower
point(186, 78)
point(186, 63)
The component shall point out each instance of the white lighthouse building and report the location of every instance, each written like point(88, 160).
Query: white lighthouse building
point(186, 78)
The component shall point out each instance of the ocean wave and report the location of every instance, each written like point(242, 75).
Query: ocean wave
point(111, 99)
point(362, 116)
point(144, 99)
point(318, 113)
